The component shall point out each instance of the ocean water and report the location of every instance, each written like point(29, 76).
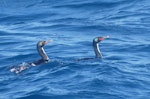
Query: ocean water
point(124, 72)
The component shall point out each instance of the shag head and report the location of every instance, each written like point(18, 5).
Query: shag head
point(43, 43)
point(99, 39)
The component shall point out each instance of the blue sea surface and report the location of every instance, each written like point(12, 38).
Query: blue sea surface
point(124, 72)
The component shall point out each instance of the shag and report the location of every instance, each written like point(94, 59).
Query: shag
point(41, 52)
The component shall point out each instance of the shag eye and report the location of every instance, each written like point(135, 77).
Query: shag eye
point(96, 39)
point(40, 43)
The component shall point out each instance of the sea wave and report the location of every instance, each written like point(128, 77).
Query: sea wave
point(73, 71)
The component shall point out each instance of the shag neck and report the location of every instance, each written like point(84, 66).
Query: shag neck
point(97, 49)
point(42, 52)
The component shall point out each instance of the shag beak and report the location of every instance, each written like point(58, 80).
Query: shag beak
point(48, 41)
point(102, 38)
point(105, 37)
